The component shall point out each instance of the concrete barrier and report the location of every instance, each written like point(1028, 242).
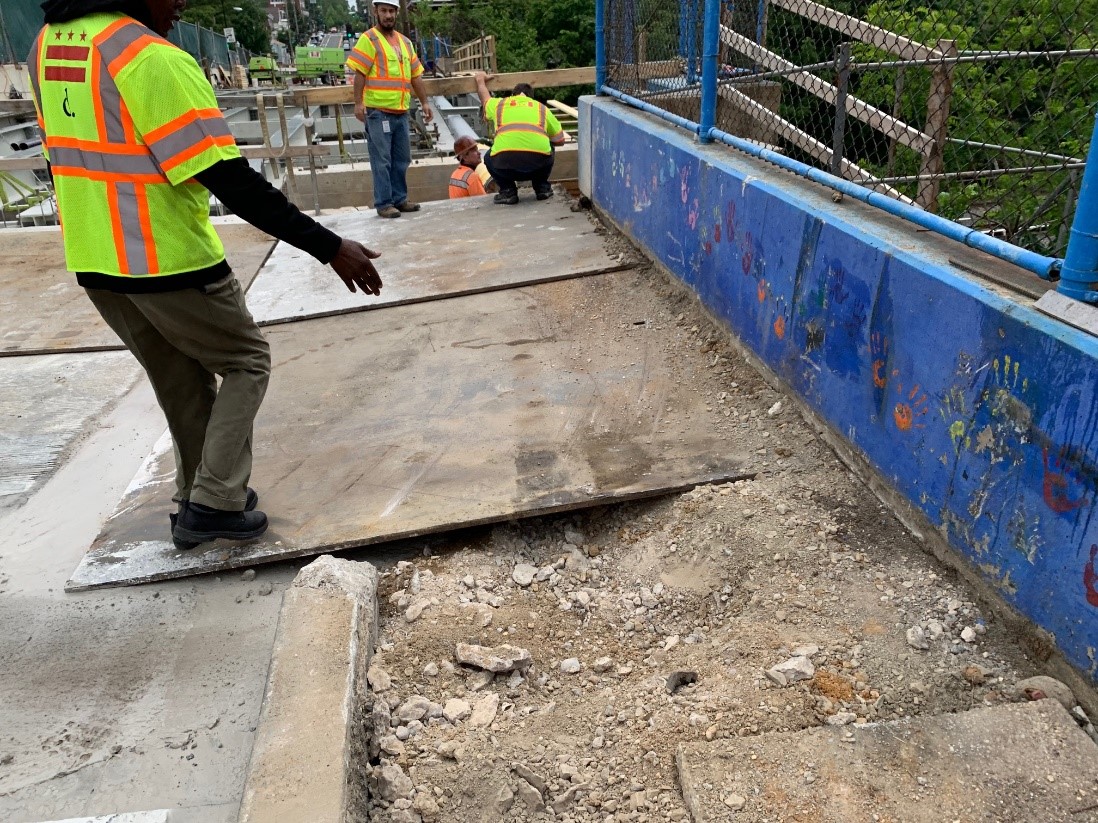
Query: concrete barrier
point(975, 415)
point(309, 763)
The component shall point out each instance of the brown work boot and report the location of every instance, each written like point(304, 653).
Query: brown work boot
point(407, 205)
point(388, 211)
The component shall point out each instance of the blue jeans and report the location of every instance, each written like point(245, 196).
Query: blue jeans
point(390, 156)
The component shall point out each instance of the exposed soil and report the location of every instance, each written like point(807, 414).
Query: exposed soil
point(654, 623)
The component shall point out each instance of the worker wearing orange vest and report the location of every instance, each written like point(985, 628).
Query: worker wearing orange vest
point(526, 135)
point(464, 181)
point(136, 144)
point(387, 71)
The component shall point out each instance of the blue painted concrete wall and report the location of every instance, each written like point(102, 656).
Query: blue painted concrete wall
point(981, 411)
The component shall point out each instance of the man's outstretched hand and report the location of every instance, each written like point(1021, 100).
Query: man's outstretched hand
point(352, 264)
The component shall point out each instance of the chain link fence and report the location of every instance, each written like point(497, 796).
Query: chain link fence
point(978, 110)
point(207, 47)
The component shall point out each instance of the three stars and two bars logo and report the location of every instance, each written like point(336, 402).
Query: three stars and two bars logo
point(67, 54)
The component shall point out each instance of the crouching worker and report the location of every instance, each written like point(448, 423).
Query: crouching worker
point(526, 135)
point(136, 145)
point(466, 180)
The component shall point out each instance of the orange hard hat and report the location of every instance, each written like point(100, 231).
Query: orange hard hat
point(463, 144)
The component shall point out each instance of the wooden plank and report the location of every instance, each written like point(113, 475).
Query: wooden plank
point(870, 115)
point(561, 107)
point(860, 30)
point(449, 414)
point(449, 86)
point(805, 141)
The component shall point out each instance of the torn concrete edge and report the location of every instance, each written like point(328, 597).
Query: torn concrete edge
point(1037, 642)
point(308, 761)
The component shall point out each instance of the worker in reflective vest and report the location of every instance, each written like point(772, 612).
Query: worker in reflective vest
point(136, 144)
point(526, 135)
point(464, 180)
point(387, 71)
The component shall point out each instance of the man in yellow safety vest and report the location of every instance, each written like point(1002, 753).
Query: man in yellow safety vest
point(526, 135)
point(136, 144)
point(387, 70)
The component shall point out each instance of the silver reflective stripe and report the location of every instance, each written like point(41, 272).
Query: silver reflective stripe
point(96, 161)
point(136, 260)
point(189, 135)
point(461, 184)
point(111, 48)
point(108, 51)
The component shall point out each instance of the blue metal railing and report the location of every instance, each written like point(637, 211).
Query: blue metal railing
point(1078, 271)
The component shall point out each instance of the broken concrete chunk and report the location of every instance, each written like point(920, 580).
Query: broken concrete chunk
point(414, 708)
point(1040, 687)
point(602, 665)
point(450, 749)
point(530, 797)
point(497, 659)
point(456, 709)
point(379, 679)
point(571, 666)
point(484, 712)
point(531, 777)
point(504, 799)
point(523, 574)
point(393, 783)
point(916, 638)
point(792, 670)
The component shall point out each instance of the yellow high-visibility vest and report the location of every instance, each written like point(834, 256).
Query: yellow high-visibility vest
point(389, 70)
point(522, 124)
point(128, 119)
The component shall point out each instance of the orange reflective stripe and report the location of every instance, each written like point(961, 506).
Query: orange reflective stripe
point(183, 120)
point(195, 150)
point(131, 52)
point(528, 127)
point(107, 176)
point(96, 146)
point(129, 131)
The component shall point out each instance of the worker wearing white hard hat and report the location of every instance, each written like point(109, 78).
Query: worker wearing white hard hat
point(386, 73)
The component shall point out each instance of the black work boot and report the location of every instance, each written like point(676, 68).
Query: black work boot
point(508, 197)
point(197, 524)
point(543, 192)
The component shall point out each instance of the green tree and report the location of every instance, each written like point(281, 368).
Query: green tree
point(249, 23)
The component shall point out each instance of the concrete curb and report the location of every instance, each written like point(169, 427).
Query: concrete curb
point(308, 761)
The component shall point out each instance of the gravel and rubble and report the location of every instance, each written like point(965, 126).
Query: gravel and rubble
point(547, 669)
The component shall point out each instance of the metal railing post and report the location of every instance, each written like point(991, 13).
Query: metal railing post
point(710, 49)
point(600, 45)
point(1079, 274)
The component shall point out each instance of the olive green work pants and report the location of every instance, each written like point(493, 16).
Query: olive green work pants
point(183, 339)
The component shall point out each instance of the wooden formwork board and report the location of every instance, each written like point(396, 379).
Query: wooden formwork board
point(445, 414)
point(449, 248)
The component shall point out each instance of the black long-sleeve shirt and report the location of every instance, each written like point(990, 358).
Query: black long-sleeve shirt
point(248, 195)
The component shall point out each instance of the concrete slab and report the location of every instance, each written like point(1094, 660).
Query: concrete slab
point(310, 744)
point(47, 403)
point(450, 248)
point(434, 416)
point(160, 816)
point(1012, 764)
point(142, 701)
point(47, 312)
